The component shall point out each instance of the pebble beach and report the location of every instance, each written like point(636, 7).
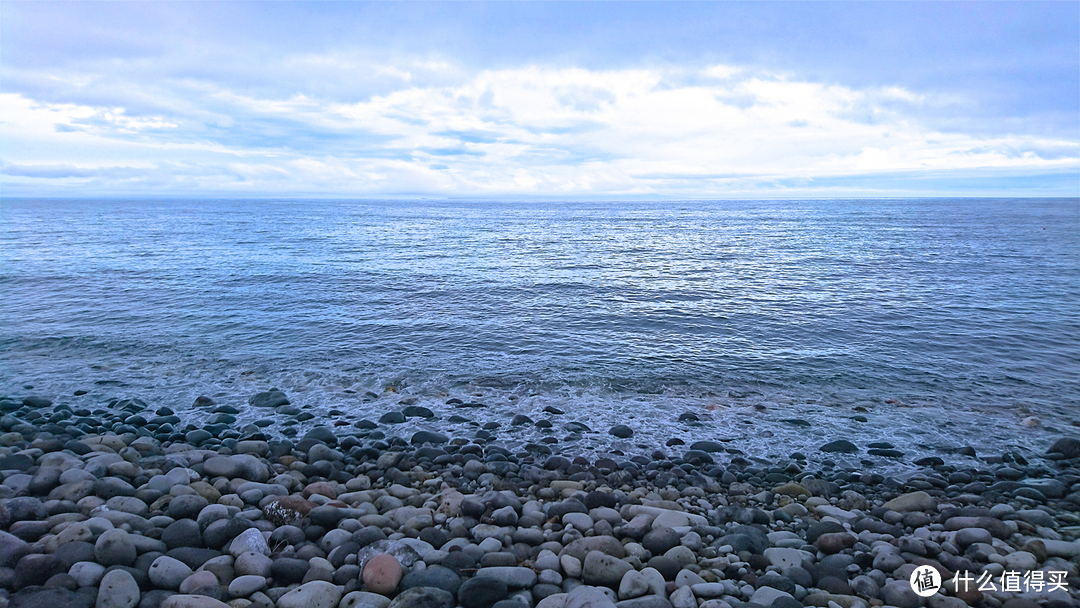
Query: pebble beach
point(130, 505)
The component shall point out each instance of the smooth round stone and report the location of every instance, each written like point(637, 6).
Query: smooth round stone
point(659, 540)
point(514, 576)
point(316, 594)
point(490, 545)
point(253, 563)
point(381, 574)
point(571, 566)
point(482, 592)
point(118, 590)
point(362, 599)
point(182, 533)
point(422, 597)
point(835, 542)
point(581, 521)
point(250, 540)
point(87, 574)
point(766, 596)
point(114, 548)
point(191, 601)
point(168, 573)
point(243, 586)
point(966, 537)
point(1021, 561)
point(35, 569)
point(888, 562)
point(289, 570)
point(900, 594)
point(186, 506)
point(603, 570)
point(499, 558)
point(633, 584)
point(433, 576)
point(199, 581)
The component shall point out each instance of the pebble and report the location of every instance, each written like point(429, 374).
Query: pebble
point(118, 590)
point(382, 573)
point(254, 521)
point(168, 573)
point(316, 594)
point(604, 570)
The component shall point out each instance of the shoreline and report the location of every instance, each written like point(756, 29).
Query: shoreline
point(99, 510)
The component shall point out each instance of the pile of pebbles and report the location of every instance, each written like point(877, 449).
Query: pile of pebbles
point(124, 507)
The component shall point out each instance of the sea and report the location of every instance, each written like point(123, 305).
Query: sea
point(780, 325)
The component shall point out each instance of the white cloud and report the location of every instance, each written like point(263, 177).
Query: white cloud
point(523, 131)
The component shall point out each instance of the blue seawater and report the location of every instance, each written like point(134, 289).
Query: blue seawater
point(779, 324)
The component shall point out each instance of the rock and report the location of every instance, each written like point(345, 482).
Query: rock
point(316, 594)
point(842, 446)
point(422, 437)
point(192, 601)
point(359, 599)
point(965, 537)
point(287, 510)
point(787, 557)
point(767, 595)
point(87, 574)
point(647, 601)
point(1069, 447)
point(381, 574)
point(659, 540)
point(244, 586)
point(633, 585)
point(482, 592)
point(621, 431)
point(202, 582)
point(118, 590)
point(422, 597)
point(181, 533)
point(792, 489)
point(186, 506)
point(167, 573)
point(1021, 561)
point(835, 542)
point(114, 548)
point(250, 540)
point(901, 595)
point(253, 563)
point(586, 596)
point(12, 549)
point(35, 569)
point(392, 418)
point(268, 399)
point(605, 570)
point(912, 501)
point(243, 466)
point(513, 576)
point(996, 527)
point(436, 576)
point(1061, 548)
point(50, 597)
point(289, 570)
point(571, 566)
point(604, 544)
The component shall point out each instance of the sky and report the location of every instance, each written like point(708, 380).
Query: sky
point(550, 99)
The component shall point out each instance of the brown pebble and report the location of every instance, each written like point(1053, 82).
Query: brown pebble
point(381, 574)
point(322, 488)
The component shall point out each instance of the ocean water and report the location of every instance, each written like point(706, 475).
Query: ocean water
point(780, 324)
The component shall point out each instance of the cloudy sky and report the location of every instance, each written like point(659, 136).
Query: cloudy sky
point(605, 99)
